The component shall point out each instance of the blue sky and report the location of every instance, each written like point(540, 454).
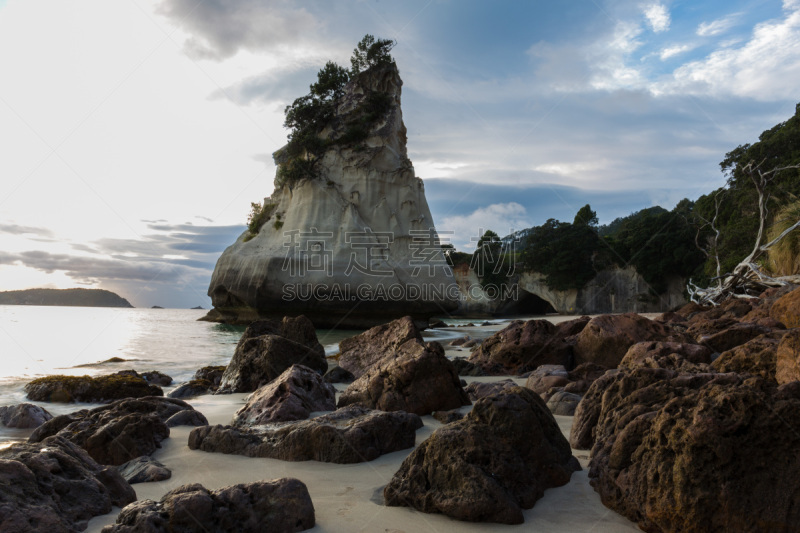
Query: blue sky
point(138, 132)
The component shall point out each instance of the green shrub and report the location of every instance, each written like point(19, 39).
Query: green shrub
point(259, 215)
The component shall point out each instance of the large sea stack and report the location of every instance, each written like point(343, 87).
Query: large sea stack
point(352, 245)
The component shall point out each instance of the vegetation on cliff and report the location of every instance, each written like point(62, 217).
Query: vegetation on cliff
point(65, 297)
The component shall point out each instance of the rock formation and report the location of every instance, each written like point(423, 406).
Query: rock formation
point(293, 395)
point(278, 505)
point(354, 246)
point(118, 432)
point(350, 435)
point(267, 348)
point(23, 415)
point(417, 378)
point(55, 486)
point(489, 466)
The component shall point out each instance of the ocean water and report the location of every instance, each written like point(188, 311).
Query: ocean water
point(39, 341)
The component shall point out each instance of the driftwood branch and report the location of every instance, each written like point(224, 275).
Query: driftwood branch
point(747, 279)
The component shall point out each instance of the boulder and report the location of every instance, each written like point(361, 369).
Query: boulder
point(157, 378)
point(489, 466)
point(278, 505)
point(55, 486)
point(360, 353)
point(734, 336)
point(293, 395)
point(563, 403)
point(267, 348)
point(191, 389)
point(465, 368)
point(460, 340)
point(606, 338)
point(546, 377)
point(757, 356)
point(188, 417)
point(477, 390)
point(90, 389)
point(786, 309)
point(23, 415)
point(683, 357)
point(213, 374)
point(703, 452)
point(419, 380)
point(338, 374)
point(144, 469)
point(788, 358)
point(118, 432)
point(523, 346)
point(350, 435)
point(445, 417)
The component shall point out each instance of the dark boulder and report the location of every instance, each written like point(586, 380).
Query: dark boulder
point(293, 395)
point(212, 374)
point(191, 389)
point(490, 465)
point(338, 374)
point(420, 380)
point(155, 377)
point(144, 469)
point(90, 389)
point(546, 377)
point(280, 505)
point(477, 390)
point(267, 348)
point(350, 435)
point(23, 415)
point(55, 486)
point(563, 403)
point(465, 368)
point(118, 432)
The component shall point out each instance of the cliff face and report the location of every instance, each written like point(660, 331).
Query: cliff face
point(352, 247)
point(616, 290)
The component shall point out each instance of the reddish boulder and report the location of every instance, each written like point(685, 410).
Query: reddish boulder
point(788, 358)
point(699, 453)
point(757, 357)
point(293, 395)
point(733, 336)
point(525, 345)
point(360, 353)
point(419, 380)
point(670, 355)
point(606, 338)
point(786, 309)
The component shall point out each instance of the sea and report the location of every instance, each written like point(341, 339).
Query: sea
point(38, 341)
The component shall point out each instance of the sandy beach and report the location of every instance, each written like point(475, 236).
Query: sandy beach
point(348, 498)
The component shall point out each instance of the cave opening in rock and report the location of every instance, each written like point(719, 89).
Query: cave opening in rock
point(528, 303)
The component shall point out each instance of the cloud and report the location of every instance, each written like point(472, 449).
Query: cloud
point(219, 29)
point(657, 17)
point(718, 26)
point(672, 51)
point(14, 229)
point(764, 68)
point(503, 219)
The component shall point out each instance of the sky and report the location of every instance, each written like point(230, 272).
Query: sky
point(135, 134)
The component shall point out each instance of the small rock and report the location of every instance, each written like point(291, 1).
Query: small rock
point(338, 374)
point(144, 469)
point(191, 389)
point(187, 418)
point(157, 378)
point(563, 403)
point(477, 390)
point(24, 415)
point(445, 417)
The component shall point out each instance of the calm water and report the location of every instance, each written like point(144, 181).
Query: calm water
point(38, 341)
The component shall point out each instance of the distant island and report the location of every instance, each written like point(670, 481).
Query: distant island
point(65, 297)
